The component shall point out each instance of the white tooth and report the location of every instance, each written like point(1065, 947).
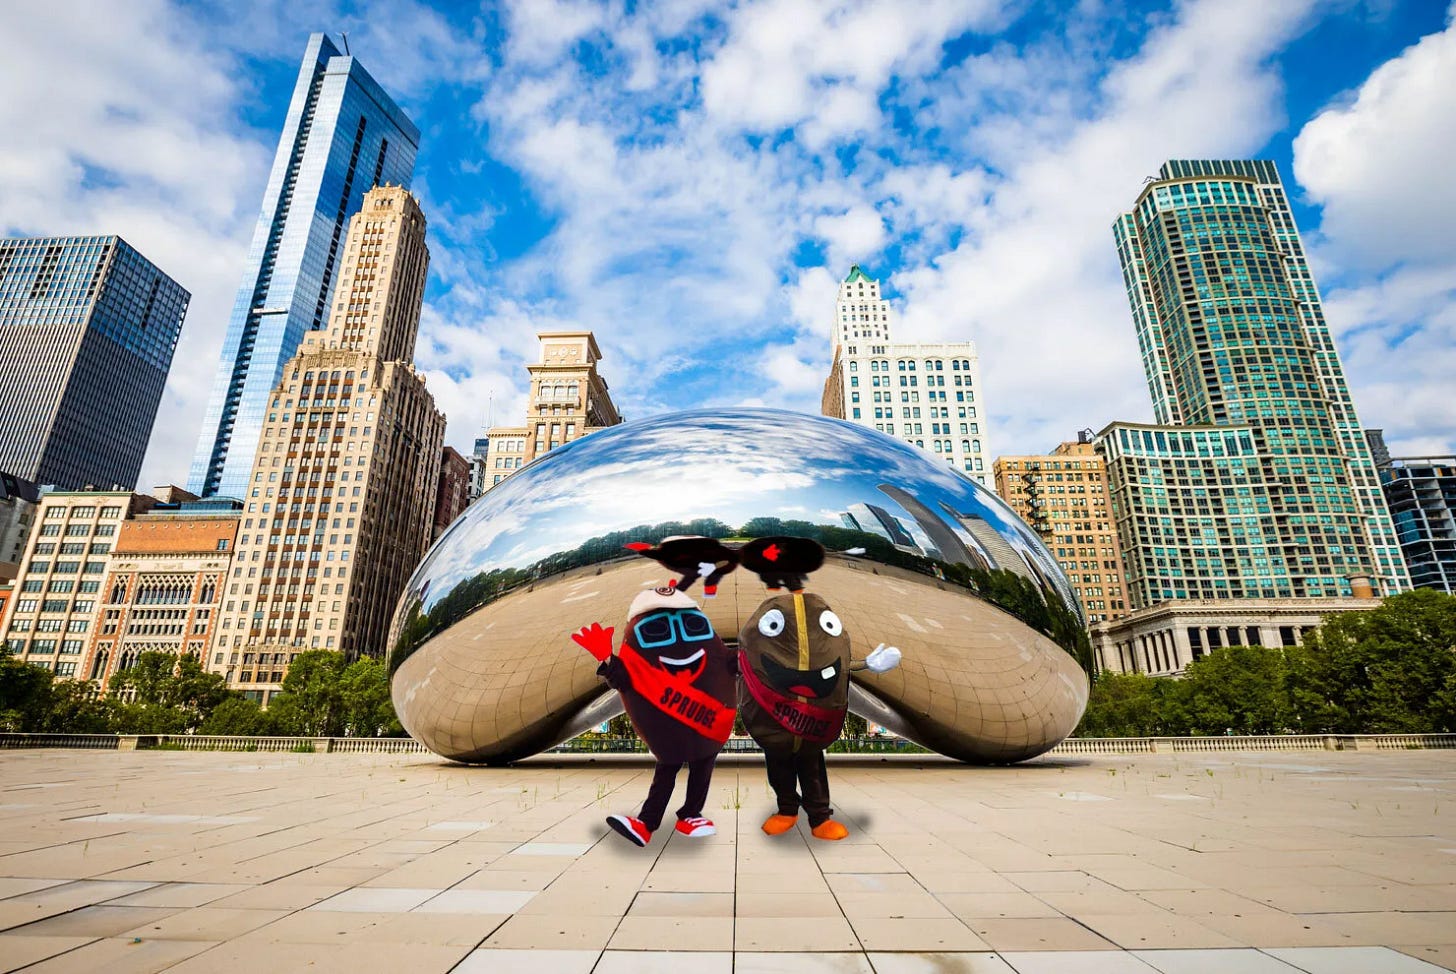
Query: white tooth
point(827, 672)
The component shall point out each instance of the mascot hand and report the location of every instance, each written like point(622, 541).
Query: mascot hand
point(706, 568)
point(597, 641)
point(883, 659)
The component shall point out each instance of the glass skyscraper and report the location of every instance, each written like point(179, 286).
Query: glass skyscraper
point(87, 329)
point(1233, 336)
point(342, 137)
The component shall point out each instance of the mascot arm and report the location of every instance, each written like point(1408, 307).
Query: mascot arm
point(882, 660)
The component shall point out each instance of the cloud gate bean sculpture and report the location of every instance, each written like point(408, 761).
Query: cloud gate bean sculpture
point(995, 652)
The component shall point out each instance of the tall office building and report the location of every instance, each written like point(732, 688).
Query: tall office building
point(1421, 492)
point(924, 394)
point(342, 137)
point(1244, 378)
point(1065, 498)
point(453, 495)
point(568, 400)
point(341, 495)
point(87, 329)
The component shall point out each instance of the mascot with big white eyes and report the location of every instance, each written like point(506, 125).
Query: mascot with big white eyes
point(677, 681)
point(794, 663)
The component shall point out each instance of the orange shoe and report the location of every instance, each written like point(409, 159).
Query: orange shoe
point(779, 824)
point(831, 830)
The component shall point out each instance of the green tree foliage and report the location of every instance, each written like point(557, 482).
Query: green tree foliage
point(1124, 705)
point(312, 702)
point(1389, 671)
point(25, 694)
point(368, 710)
point(239, 716)
point(166, 694)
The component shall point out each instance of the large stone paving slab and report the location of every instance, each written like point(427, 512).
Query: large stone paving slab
point(1252, 862)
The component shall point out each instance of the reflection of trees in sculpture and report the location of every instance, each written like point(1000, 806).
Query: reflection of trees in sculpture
point(1023, 598)
point(1012, 592)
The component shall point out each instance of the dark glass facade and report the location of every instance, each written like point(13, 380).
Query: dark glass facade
point(87, 330)
point(1421, 492)
point(343, 135)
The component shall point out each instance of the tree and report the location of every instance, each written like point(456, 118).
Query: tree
point(24, 694)
point(1391, 670)
point(1124, 705)
point(311, 703)
point(1235, 688)
point(367, 708)
point(238, 716)
point(169, 694)
point(72, 707)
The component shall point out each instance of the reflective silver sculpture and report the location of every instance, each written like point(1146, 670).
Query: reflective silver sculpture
point(920, 557)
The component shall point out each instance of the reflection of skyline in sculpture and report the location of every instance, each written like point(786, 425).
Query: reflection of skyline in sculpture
point(482, 669)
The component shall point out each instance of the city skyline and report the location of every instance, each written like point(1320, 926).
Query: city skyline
point(786, 166)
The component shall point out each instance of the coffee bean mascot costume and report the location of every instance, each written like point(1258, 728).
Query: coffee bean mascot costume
point(677, 682)
point(794, 662)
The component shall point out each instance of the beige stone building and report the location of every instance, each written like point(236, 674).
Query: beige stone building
point(925, 394)
point(164, 584)
point(53, 610)
point(341, 497)
point(1163, 639)
point(1065, 498)
point(568, 399)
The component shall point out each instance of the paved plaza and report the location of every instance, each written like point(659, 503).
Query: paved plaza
point(1321, 862)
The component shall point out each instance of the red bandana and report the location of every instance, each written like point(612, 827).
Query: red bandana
point(679, 699)
point(817, 725)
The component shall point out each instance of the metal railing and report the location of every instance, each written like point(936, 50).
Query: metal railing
point(735, 745)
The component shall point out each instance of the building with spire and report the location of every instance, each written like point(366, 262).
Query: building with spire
point(340, 498)
point(568, 399)
point(927, 394)
point(342, 136)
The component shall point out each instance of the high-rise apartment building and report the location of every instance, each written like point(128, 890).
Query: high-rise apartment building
point(1065, 498)
point(343, 136)
point(87, 329)
point(568, 399)
point(163, 586)
point(924, 394)
point(341, 495)
point(453, 495)
point(1421, 492)
point(480, 478)
point(1255, 419)
point(53, 610)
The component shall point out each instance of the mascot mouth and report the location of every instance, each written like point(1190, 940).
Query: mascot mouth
point(691, 664)
point(817, 684)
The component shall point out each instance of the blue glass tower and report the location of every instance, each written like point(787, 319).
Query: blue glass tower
point(342, 137)
point(87, 330)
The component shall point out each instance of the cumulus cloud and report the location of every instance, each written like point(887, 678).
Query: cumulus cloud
point(1377, 163)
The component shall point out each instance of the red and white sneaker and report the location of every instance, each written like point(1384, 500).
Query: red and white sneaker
point(631, 829)
point(696, 828)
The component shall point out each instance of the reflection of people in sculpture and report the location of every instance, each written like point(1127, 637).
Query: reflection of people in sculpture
point(676, 679)
point(794, 662)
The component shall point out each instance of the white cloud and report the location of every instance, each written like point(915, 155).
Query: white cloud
point(1380, 164)
point(1377, 163)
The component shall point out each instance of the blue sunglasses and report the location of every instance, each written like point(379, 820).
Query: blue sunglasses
point(666, 628)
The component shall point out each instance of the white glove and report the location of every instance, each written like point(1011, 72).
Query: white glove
point(883, 659)
point(706, 568)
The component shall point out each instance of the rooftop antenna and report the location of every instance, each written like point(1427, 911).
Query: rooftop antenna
point(346, 43)
point(490, 410)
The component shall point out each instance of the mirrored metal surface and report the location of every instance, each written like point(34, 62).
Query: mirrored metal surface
point(919, 556)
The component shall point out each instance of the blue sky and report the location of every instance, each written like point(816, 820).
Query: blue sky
point(690, 179)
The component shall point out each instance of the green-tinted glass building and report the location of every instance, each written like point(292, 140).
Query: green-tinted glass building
point(1232, 335)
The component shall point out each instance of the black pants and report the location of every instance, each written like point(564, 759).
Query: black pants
point(700, 774)
point(793, 772)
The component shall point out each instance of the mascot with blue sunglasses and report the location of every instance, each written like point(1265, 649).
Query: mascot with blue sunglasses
point(677, 681)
